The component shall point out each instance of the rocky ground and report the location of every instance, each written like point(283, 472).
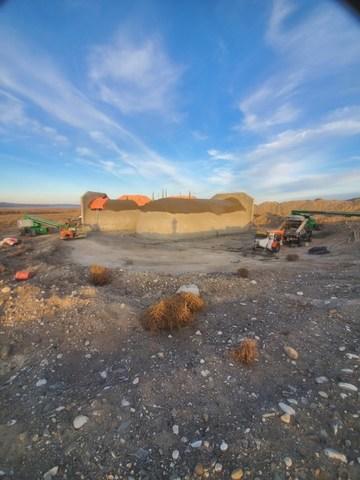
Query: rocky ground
point(87, 393)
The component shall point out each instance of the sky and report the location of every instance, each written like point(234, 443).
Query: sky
point(201, 96)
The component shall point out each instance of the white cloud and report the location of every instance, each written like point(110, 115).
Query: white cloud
point(341, 123)
point(15, 120)
point(328, 37)
point(31, 75)
point(218, 155)
point(307, 48)
point(221, 177)
point(85, 152)
point(199, 135)
point(135, 76)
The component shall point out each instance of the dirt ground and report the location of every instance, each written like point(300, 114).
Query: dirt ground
point(176, 406)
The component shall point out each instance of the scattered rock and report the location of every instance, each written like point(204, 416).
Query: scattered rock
point(51, 473)
point(253, 282)
point(191, 288)
point(348, 386)
point(323, 394)
point(41, 382)
point(291, 353)
point(334, 455)
point(175, 454)
point(103, 374)
point(196, 444)
point(205, 373)
point(286, 408)
point(300, 294)
point(136, 380)
point(223, 446)
point(199, 470)
point(175, 429)
point(125, 403)
point(80, 421)
point(218, 467)
point(321, 380)
point(237, 474)
point(6, 290)
point(288, 462)
point(286, 418)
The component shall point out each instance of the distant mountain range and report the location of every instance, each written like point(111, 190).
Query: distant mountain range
point(38, 205)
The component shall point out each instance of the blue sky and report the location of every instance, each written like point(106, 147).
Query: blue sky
point(204, 96)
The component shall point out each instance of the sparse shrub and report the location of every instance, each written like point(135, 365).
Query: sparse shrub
point(243, 272)
point(247, 352)
point(292, 257)
point(99, 275)
point(172, 312)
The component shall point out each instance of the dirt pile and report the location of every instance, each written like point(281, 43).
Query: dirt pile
point(191, 205)
point(270, 212)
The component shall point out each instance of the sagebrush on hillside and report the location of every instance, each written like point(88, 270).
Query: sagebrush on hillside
point(99, 275)
point(172, 312)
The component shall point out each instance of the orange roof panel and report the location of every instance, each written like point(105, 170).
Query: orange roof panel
point(98, 203)
point(140, 200)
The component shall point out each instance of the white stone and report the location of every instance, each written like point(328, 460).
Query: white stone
point(300, 294)
point(288, 462)
point(103, 374)
point(321, 380)
point(41, 382)
point(80, 421)
point(51, 473)
point(353, 356)
point(323, 394)
point(136, 380)
point(224, 446)
point(175, 454)
point(6, 290)
point(253, 282)
point(205, 373)
point(286, 408)
point(348, 386)
point(190, 288)
point(218, 467)
point(125, 403)
point(175, 429)
point(196, 444)
point(334, 455)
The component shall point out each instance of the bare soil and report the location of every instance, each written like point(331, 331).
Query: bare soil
point(157, 404)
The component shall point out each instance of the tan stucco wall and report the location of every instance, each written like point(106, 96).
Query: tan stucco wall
point(108, 220)
point(163, 223)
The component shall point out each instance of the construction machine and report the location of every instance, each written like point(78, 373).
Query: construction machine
point(297, 228)
point(269, 241)
point(33, 225)
point(294, 230)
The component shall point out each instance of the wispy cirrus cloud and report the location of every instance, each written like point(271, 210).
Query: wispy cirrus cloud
point(221, 177)
point(219, 155)
point(338, 124)
point(15, 121)
point(33, 76)
point(135, 76)
point(270, 105)
point(306, 50)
